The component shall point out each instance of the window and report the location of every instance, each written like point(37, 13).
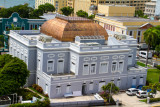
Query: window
point(37, 81)
point(85, 69)
point(46, 88)
point(139, 33)
point(36, 27)
point(130, 33)
point(119, 83)
point(93, 69)
point(50, 65)
point(38, 64)
point(68, 89)
point(114, 66)
point(129, 59)
point(31, 27)
point(103, 67)
point(58, 90)
point(25, 59)
point(120, 68)
point(91, 86)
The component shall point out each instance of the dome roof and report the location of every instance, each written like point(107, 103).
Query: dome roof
point(67, 28)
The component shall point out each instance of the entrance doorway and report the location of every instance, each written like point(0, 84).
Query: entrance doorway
point(84, 87)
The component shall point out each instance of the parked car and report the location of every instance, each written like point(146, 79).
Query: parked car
point(144, 54)
point(143, 94)
point(132, 91)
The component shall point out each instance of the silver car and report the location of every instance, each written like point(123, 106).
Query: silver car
point(132, 91)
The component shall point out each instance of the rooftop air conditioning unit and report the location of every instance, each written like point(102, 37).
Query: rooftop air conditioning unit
point(45, 39)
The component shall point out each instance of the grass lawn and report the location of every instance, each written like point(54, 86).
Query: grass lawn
point(142, 64)
point(153, 75)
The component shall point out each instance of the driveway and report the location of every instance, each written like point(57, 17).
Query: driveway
point(133, 101)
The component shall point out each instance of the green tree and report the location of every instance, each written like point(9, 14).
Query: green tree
point(67, 10)
point(47, 7)
point(82, 13)
point(111, 88)
point(151, 38)
point(13, 74)
point(157, 49)
point(22, 10)
point(139, 13)
point(36, 13)
point(91, 16)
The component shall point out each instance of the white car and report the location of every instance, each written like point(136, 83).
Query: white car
point(132, 91)
point(143, 94)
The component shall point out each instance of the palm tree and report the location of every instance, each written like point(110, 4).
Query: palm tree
point(151, 39)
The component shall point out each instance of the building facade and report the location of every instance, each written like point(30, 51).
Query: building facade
point(85, 4)
point(21, 23)
point(62, 62)
point(132, 26)
point(152, 8)
point(58, 4)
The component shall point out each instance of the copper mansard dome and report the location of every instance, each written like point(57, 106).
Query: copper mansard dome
point(67, 28)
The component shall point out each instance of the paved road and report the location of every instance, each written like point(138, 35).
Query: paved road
point(133, 101)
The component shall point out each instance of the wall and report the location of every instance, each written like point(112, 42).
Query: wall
point(82, 5)
point(116, 10)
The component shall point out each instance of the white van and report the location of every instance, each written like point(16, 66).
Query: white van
point(144, 54)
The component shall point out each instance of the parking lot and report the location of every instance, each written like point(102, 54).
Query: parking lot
point(133, 101)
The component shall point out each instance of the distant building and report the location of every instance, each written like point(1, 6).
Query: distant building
point(58, 4)
point(74, 55)
point(116, 10)
point(22, 23)
point(120, 19)
point(152, 8)
point(85, 4)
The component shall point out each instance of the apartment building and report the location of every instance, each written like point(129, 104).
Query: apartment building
point(152, 8)
point(58, 4)
point(85, 4)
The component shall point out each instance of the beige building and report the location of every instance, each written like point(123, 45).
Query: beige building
point(116, 10)
point(58, 4)
point(85, 4)
point(132, 26)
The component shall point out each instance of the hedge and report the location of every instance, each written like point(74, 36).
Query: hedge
point(158, 67)
point(45, 103)
point(154, 100)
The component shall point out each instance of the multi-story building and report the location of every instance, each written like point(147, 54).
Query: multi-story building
point(22, 23)
point(58, 4)
point(132, 26)
point(152, 8)
point(85, 4)
point(72, 54)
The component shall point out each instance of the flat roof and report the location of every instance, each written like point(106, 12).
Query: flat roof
point(116, 5)
point(127, 19)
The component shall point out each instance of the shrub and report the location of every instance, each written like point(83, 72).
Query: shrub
point(44, 103)
point(39, 89)
point(154, 100)
point(158, 67)
point(46, 95)
point(27, 94)
point(34, 86)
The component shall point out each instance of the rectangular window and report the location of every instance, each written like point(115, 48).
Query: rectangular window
point(50, 65)
point(103, 67)
point(91, 86)
point(114, 66)
point(68, 89)
point(58, 90)
point(129, 59)
point(38, 64)
point(46, 88)
point(85, 69)
point(130, 33)
point(120, 68)
point(93, 68)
